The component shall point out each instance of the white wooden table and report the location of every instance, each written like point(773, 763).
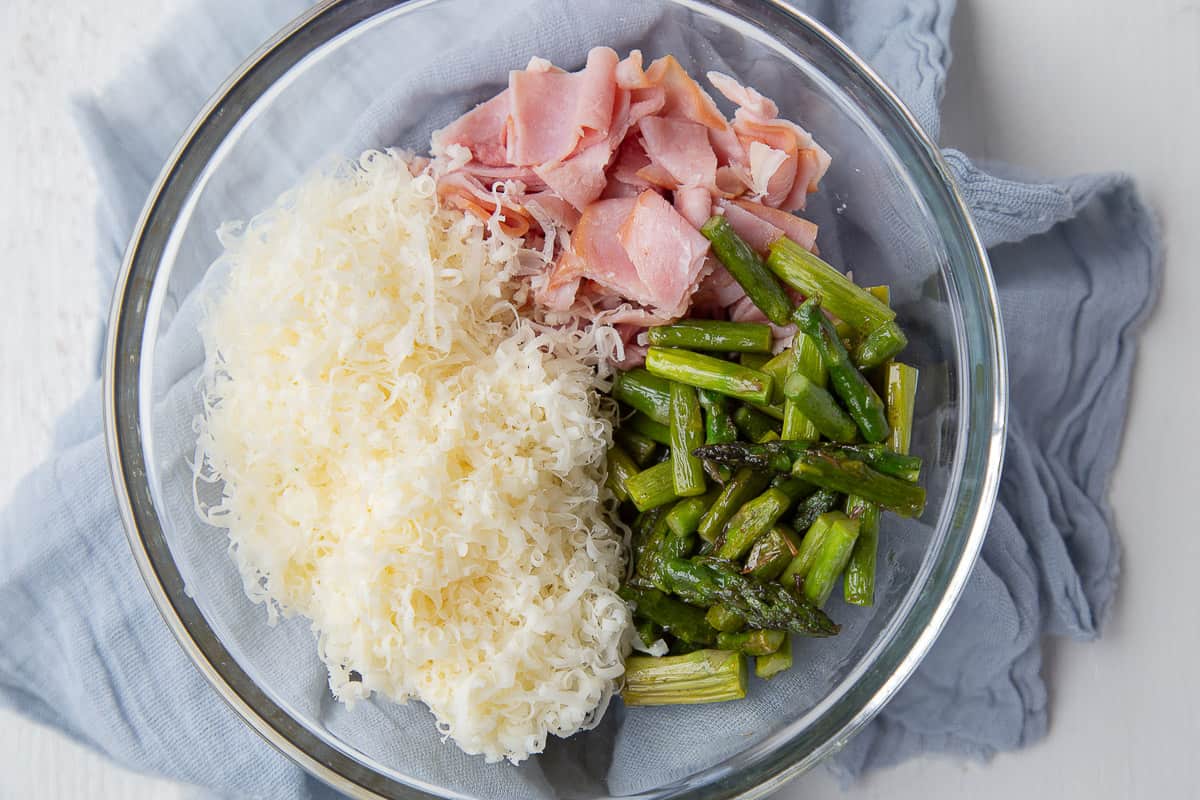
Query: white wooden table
point(1059, 85)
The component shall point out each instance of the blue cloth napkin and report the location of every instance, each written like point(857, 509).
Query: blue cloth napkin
point(1076, 261)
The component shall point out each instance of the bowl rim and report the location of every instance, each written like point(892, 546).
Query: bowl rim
point(139, 515)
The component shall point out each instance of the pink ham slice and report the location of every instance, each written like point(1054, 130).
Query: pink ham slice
point(682, 148)
point(481, 130)
point(694, 203)
point(465, 193)
point(761, 225)
point(552, 111)
point(598, 253)
point(667, 251)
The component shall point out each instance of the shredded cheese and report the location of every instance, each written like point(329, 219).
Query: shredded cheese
point(410, 464)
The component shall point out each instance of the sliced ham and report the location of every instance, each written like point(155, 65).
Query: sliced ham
point(694, 203)
point(798, 229)
point(667, 251)
point(630, 74)
point(598, 253)
point(481, 130)
point(684, 97)
point(550, 112)
point(681, 148)
point(758, 232)
point(579, 179)
point(466, 194)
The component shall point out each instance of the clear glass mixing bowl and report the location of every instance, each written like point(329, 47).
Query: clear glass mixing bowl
point(380, 72)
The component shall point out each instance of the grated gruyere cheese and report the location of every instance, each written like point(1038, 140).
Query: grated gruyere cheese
point(411, 465)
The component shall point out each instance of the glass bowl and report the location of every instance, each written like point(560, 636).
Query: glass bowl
point(378, 73)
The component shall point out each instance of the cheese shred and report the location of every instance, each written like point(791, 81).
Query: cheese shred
point(409, 463)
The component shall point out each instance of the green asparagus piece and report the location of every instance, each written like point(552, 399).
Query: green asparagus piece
point(769, 666)
point(747, 269)
point(834, 554)
point(813, 506)
point(706, 372)
point(810, 545)
point(638, 446)
point(882, 293)
point(654, 486)
point(755, 425)
point(684, 517)
point(848, 383)
point(687, 434)
point(754, 360)
point(752, 643)
point(840, 474)
point(678, 647)
point(644, 392)
point(648, 631)
point(703, 676)
point(821, 409)
point(745, 484)
point(858, 587)
point(654, 431)
point(649, 548)
point(764, 605)
point(779, 367)
point(718, 424)
point(620, 466)
point(707, 334)
point(780, 456)
point(772, 553)
point(775, 412)
point(725, 619)
point(809, 364)
point(901, 393)
point(879, 345)
point(676, 618)
point(810, 275)
point(757, 517)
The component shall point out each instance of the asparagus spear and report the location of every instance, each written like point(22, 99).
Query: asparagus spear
point(706, 334)
point(901, 380)
point(684, 517)
point(770, 665)
point(774, 411)
point(810, 545)
point(779, 367)
point(676, 618)
point(687, 434)
point(772, 553)
point(644, 392)
point(819, 502)
point(757, 517)
point(858, 586)
point(780, 456)
point(654, 431)
point(879, 345)
point(745, 484)
point(806, 272)
point(841, 474)
point(653, 486)
point(754, 360)
point(706, 372)
point(755, 425)
point(752, 643)
point(882, 293)
point(765, 605)
point(747, 269)
point(620, 466)
point(637, 445)
point(861, 400)
point(819, 407)
point(832, 557)
point(718, 424)
point(724, 618)
point(807, 363)
point(703, 676)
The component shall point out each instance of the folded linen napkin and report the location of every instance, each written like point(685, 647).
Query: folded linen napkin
point(83, 649)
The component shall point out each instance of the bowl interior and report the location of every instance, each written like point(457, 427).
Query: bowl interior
point(373, 74)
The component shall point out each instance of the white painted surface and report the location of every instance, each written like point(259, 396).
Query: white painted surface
point(1059, 85)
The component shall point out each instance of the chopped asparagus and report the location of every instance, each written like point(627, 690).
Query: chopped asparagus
point(879, 345)
point(725, 619)
point(858, 586)
point(745, 484)
point(755, 425)
point(748, 269)
point(703, 676)
point(653, 486)
point(770, 665)
point(756, 518)
point(648, 631)
point(772, 553)
point(706, 372)
point(819, 407)
point(654, 431)
point(810, 545)
point(706, 334)
point(644, 392)
point(676, 618)
point(809, 364)
point(638, 446)
point(848, 383)
point(684, 517)
point(686, 434)
point(840, 474)
point(718, 424)
point(810, 275)
point(831, 559)
point(752, 643)
point(620, 466)
point(901, 380)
